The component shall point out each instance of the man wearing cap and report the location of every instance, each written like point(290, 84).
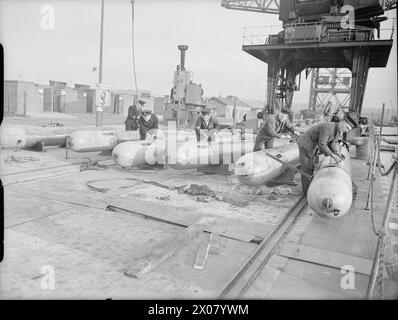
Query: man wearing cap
point(272, 129)
point(149, 124)
point(206, 125)
point(322, 138)
point(133, 116)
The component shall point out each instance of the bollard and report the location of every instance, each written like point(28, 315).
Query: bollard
point(99, 117)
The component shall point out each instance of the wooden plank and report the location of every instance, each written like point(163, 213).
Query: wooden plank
point(153, 260)
point(203, 252)
point(325, 257)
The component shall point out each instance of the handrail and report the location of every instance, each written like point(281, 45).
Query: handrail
point(261, 35)
point(377, 273)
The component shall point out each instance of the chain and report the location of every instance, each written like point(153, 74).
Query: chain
point(20, 159)
point(380, 272)
point(93, 165)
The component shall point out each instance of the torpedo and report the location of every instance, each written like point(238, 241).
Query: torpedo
point(98, 140)
point(256, 168)
point(18, 137)
point(135, 153)
point(225, 149)
point(330, 192)
point(13, 138)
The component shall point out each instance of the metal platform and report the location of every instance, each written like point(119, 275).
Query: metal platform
point(324, 54)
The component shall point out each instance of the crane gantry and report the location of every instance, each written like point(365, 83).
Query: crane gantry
point(264, 6)
point(313, 36)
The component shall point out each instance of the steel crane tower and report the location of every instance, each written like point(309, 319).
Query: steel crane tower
point(319, 34)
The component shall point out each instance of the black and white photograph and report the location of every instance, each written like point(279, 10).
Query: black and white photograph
point(200, 150)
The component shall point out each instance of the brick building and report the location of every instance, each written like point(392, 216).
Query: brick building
point(122, 99)
point(22, 97)
point(224, 107)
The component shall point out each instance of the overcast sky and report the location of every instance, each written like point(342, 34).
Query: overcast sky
point(214, 36)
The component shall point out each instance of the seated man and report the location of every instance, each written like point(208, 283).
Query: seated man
point(149, 125)
point(272, 129)
point(206, 125)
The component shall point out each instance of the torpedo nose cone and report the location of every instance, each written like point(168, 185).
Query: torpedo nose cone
point(121, 155)
point(12, 137)
point(330, 193)
point(327, 203)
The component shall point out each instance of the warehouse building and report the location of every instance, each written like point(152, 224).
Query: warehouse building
point(224, 107)
point(27, 97)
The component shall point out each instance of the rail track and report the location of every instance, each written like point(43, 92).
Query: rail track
point(251, 268)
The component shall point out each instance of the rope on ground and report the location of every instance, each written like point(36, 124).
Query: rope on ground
point(104, 190)
point(20, 159)
point(94, 165)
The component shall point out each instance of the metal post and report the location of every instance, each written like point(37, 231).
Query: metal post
point(99, 111)
point(178, 113)
point(384, 231)
point(372, 169)
point(66, 147)
point(380, 134)
point(132, 45)
point(24, 104)
point(52, 100)
point(372, 154)
point(314, 85)
point(8, 101)
point(382, 121)
point(234, 114)
point(101, 41)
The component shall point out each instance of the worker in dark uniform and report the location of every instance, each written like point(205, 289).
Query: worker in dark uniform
point(133, 115)
point(273, 128)
point(322, 138)
point(206, 125)
point(149, 125)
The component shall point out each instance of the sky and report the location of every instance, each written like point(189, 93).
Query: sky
point(70, 50)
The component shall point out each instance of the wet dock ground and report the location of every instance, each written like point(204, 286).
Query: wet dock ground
point(56, 220)
point(313, 261)
point(52, 218)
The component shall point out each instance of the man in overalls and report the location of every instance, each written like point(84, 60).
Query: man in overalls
point(206, 125)
point(323, 138)
point(149, 125)
point(273, 128)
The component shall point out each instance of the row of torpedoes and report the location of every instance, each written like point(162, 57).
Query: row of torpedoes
point(330, 193)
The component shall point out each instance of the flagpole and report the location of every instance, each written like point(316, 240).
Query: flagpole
point(99, 111)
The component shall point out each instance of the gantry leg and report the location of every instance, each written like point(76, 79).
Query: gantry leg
point(272, 80)
point(360, 70)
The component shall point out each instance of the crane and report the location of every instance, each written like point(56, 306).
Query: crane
point(264, 6)
point(273, 6)
point(314, 37)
